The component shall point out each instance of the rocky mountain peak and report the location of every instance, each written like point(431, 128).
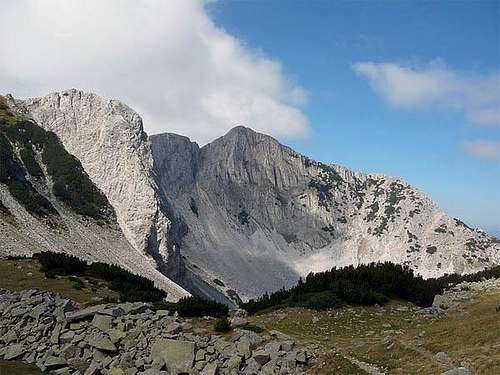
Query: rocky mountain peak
point(245, 214)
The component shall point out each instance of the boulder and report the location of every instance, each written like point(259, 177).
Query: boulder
point(210, 369)
point(101, 342)
point(178, 355)
point(239, 318)
point(173, 328)
point(102, 322)
point(89, 312)
point(54, 363)
point(13, 352)
point(261, 357)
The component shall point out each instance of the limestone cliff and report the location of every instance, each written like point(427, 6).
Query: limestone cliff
point(258, 215)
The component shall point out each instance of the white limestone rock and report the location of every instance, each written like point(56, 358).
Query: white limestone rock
point(259, 215)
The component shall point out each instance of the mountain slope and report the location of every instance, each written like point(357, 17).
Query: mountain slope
point(48, 203)
point(245, 214)
point(259, 215)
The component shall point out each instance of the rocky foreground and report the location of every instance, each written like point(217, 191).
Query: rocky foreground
point(129, 338)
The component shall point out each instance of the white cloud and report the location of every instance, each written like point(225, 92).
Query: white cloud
point(166, 59)
point(476, 96)
point(483, 149)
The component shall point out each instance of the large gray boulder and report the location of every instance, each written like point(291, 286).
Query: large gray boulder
point(178, 355)
point(14, 351)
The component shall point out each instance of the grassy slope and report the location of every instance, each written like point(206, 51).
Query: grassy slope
point(18, 368)
point(469, 337)
point(15, 277)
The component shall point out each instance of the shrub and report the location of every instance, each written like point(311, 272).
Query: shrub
point(196, 306)
point(132, 288)
point(218, 282)
point(252, 327)
point(367, 284)
point(222, 325)
point(62, 264)
point(193, 206)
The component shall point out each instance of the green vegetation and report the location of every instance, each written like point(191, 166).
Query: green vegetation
point(218, 282)
point(441, 229)
point(4, 211)
point(6, 115)
point(130, 287)
point(431, 249)
point(252, 327)
point(243, 217)
point(370, 284)
point(373, 212)
point(12, 175)
point(327, 179)
point(70, 182)
point(25, 273)
point(222, 325)
point(196, 306)
point(362, 332)
point(193, 206)
point(29, 161)
point(18, 368)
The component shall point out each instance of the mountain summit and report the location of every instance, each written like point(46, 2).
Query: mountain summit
point(244, 214)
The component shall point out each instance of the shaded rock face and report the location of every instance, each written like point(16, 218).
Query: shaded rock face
point(256, 215)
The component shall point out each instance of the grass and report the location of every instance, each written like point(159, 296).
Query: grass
point(469, 337)
point(18, 368)
point(15, 278)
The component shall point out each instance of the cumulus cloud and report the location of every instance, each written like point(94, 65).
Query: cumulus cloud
point(483, 149)
point(166, 59)
point(476, 96)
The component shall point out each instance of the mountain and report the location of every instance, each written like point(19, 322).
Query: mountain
point(260, 215)
point(49, 203)
point(244, 214)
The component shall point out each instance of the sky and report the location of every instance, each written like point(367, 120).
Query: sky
point(405, 88)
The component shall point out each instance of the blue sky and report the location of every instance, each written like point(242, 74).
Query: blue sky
point(317, 42)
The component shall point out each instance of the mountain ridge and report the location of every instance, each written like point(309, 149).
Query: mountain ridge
point(244, 214)
point(49, 203)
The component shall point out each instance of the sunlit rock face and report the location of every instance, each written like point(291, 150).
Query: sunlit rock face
point(108, 139)
point(258, 215)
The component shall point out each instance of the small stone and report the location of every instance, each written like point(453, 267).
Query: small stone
point(210, 369)
point(440, 356)
point(261, 357)
point(458, 371)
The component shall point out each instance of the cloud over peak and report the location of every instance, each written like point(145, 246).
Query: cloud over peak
point(166, 59)
point(476, 96)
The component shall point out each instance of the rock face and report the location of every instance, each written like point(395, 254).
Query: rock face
point(257, 215)
point(135, 341)
point(108, 139)
point(38, 212)
point(248, 214)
